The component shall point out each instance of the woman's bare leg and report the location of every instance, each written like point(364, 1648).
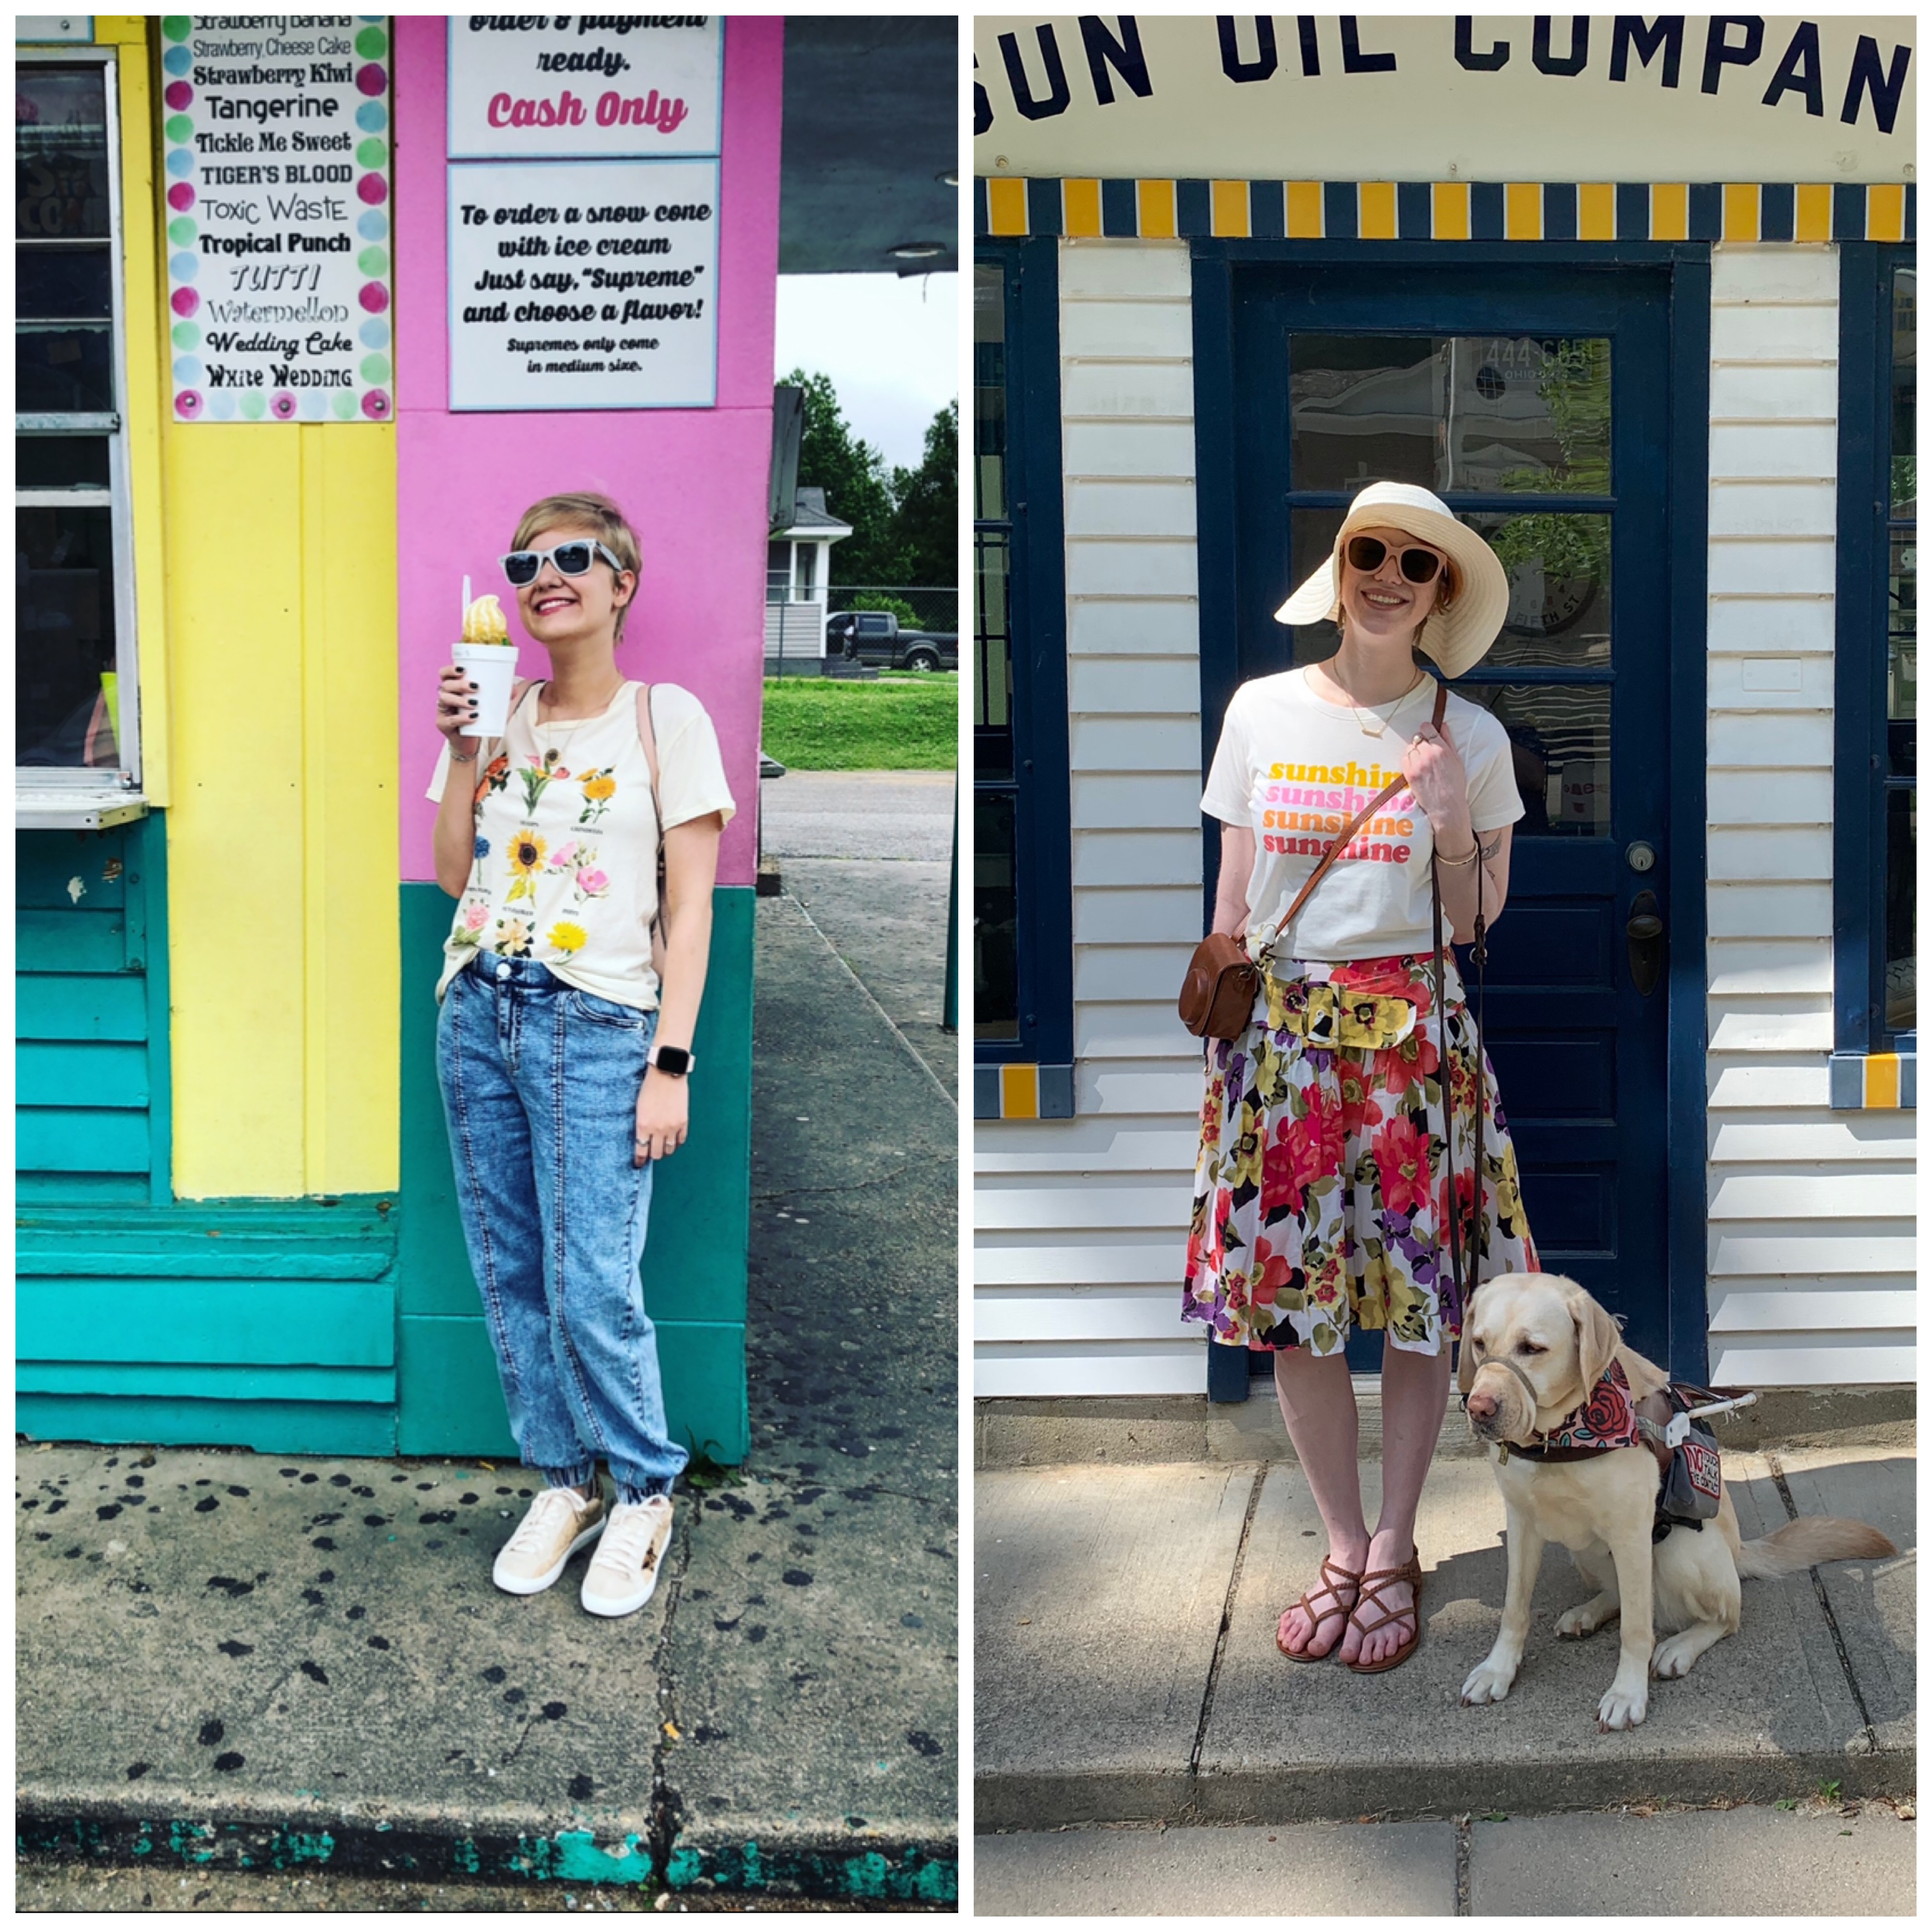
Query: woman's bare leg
point(1415, 1393)
point(1317, 1403)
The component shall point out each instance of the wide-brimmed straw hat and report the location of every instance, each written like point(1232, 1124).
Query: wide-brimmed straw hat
point(1457, 637)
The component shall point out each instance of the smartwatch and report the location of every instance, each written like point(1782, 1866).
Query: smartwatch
point(675, 1060)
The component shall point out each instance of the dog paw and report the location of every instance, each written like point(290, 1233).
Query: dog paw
point(1577, 1621)
point(1621, 1710)
point(1673, 1657)
point(1488, 1683)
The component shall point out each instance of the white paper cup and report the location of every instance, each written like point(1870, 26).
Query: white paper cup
point(493, 668)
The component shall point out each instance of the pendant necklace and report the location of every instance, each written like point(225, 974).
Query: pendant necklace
point(1386, 717)
point(554, 728)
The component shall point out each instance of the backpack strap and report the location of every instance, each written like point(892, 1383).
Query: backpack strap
point(647, 736)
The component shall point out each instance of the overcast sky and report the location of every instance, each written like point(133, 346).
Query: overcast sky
point(891, 347)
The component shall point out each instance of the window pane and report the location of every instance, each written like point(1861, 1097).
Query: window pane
point(989, 394)
point(1905, 393)
point(64, 616)
point(1901, 863)
point(1456, 412)
point(1559, 736)
point(71, 283)
point(1558, 564)
point(808, 571)
point(778, 572)
point(995, 920)
point(60, 151)
point(63, 370)
point(60, 462)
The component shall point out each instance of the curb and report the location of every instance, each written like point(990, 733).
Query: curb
point(1349, 1793)
point(98, 1831)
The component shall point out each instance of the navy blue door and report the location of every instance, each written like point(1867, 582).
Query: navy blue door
point(1535, 402)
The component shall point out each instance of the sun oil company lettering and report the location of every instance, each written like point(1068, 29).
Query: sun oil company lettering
point(275, 154)
point(582, 285)
point(580, 84)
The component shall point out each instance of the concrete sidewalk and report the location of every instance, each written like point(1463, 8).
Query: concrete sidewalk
point(1125, 1667)
point(290, 1663)
point(1835, 1861)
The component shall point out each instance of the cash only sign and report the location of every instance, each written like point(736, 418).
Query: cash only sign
point(583, 186)
point(275, 155)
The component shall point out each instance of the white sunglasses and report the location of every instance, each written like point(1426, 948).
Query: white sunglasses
point(572, 559)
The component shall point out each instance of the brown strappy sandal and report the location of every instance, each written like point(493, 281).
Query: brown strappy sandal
point(1305, 1601)
point(1373, 1583)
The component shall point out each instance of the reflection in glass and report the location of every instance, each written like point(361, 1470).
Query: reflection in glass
point(63, 370)
point(60, 152)
point(1902, 653)
point(1905, 392)
point(995, 919)
point(1901, 866)
point(1559, 563)
point(64, 623)
point(1516, 413)
point(1560, 741)
point(993, 678)
point(989, 393)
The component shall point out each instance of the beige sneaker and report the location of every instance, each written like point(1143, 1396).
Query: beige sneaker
point(624, 1572)
point(558, 1525)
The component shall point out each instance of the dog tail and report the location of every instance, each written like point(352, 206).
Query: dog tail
point(1810, 1540)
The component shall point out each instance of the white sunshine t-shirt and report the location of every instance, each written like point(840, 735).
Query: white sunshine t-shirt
point(565, 866)
point(1296, 770)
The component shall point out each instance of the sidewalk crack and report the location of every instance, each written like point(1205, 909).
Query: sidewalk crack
point(1463, 1835)
point(667, 1806)
point(1227, 1622)
point(1871, 1734)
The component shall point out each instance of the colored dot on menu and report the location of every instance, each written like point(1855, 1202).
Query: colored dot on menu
point(185, 302)
point(178, 94)
point(371, 80)
point(375, 406)
point(181, 195)
point(373, 188)
point(374, 297)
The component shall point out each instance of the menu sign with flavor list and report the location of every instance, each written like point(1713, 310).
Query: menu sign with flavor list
point(275, 155)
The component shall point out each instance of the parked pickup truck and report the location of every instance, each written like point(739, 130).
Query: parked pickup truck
point(875, 637)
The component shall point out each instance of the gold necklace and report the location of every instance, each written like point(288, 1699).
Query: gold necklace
point(1387, 718)
point(554, 727)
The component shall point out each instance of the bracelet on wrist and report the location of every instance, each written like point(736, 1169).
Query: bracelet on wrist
point(457, 757)
point(1468, 858)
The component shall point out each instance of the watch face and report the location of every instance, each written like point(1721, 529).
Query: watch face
point(671, 1060)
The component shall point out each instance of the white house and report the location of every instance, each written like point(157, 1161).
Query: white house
point(798, 568)
point(1226, 271)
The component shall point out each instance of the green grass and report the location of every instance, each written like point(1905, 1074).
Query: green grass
point(884, 725)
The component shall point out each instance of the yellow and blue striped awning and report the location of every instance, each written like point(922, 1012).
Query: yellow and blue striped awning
point(1166, 210)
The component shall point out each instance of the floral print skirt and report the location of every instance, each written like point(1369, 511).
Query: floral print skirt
point(1321, 1195)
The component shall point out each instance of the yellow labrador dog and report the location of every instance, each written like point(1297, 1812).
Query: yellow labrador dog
point(1556, 1341)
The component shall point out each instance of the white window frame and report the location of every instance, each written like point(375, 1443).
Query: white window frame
point(46, 796)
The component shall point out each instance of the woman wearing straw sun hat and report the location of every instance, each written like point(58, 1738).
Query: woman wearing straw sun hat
point(1331, 1128)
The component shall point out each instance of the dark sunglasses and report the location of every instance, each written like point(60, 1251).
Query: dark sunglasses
point(1365, 553)
point(572, 559)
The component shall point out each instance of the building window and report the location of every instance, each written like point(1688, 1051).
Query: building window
point(778, 573)
point(803, 591)
point(75, 694)
point(1022, 942)
point(1875, 955)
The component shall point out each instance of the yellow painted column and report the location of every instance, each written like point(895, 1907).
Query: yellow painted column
point(266, 580)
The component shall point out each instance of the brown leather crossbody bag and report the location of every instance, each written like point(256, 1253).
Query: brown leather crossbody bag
point(1217, 997)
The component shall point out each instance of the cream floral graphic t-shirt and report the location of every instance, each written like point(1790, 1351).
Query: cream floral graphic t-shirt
point(565, 866)
point(1297, 769)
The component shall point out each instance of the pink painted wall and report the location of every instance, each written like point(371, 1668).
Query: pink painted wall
point(692, 481)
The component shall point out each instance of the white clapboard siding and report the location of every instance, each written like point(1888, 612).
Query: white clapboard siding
point(1811, 1230)
point(1081, 1225)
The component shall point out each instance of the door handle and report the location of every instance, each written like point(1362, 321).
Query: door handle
point(1643, 933)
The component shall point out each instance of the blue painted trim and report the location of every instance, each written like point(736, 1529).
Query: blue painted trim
point(1686, 1074)
point(1859, 765)
point(1847, 1079)
point(1043, 855)
point(986, 1093)
point(1056, 1093)
point(1044, 207)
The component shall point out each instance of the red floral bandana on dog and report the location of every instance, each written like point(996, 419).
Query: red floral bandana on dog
point(1606, 1420)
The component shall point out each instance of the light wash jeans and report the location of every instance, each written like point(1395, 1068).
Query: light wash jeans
point(540, 1085)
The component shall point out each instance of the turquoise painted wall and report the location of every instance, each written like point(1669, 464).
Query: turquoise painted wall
point(694, 1260)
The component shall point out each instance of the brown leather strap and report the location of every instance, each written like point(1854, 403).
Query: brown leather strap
point(1354, 825)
